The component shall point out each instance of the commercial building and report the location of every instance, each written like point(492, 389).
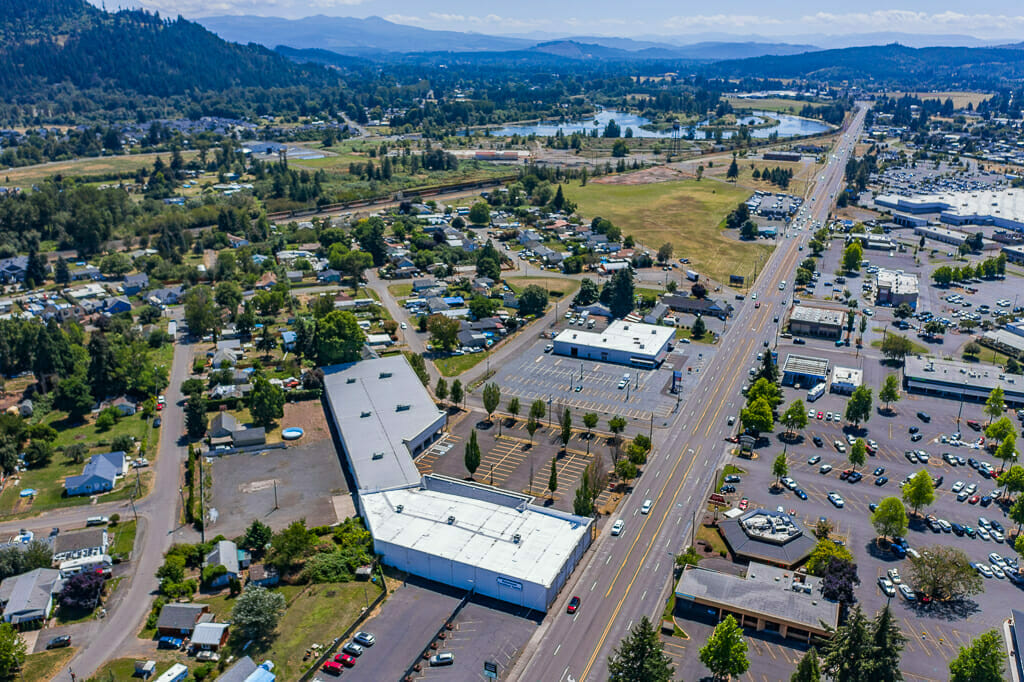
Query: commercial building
point(770, 537)
point(894, 287)
point(874, 241)
point(846, 380)
point(941, 234)
point(1003, 208)
point(807, 320)
point(383, 417)
point(1013, 631)
point(624, 343)
point(767, 598)
point(801, 370)
point(1014, 253)
point(479, 538)
point(1005, 341)
point(781, 156)
point(473, 537)
point(960, 380)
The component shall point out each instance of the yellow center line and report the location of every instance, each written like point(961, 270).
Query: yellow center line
point(618, 607)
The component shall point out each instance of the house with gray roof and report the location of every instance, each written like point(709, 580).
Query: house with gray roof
point(99, 475)
point(226, 553)
point(179, 620)
point(13, 269)
point(133, 284)
point(84, 543)
point(29, 597)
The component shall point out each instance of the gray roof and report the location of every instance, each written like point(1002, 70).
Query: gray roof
point(224, 553)
point(789, 553)
point(759, 592)
point(813, 315)
point(802, 364)
point(208, 634)
point(107, 466)
point(179, 616)
point(83, 539)
point(378, 406)
point(26, 596)
point(223, 424)
point(240, 671)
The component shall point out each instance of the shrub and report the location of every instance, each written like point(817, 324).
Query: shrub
point(114, 519)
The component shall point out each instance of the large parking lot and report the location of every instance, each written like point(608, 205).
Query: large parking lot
point(589, 386)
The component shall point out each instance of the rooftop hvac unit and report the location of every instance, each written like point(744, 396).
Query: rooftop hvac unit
point(385, 375)
point(364, 414)
point(400, 508)
point(350, 380)
point(378, 455)
point(402, 408)
point(517, 538)
point(451, 520)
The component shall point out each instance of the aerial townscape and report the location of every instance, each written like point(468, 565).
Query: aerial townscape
point(477, 342)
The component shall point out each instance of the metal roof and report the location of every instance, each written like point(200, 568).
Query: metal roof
point(626, 337)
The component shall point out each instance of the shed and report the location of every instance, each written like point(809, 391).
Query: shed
point(210, 636)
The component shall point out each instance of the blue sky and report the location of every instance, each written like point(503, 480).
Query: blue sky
point(990, 19)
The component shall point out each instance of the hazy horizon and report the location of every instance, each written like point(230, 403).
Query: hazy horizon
point(997, 20)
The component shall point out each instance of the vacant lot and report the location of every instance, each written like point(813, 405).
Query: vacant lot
point(960, 99)
point(107, 167)
point(786, 106)
point(689, 214)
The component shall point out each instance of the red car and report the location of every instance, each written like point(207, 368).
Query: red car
point(757, 304)
point(332, 668)
point(574, 604)
point(345, 660)
point(821, 415)
point(159, 406)
point(974, 499)
point(744, 503)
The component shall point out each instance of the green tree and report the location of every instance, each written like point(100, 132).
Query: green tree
point(195, 416)
point(291, 544)
point(845, 656)
point(807, 669)
point(733, 171)
point(919, 491)
point(795, 416)
point(457, 393)
point(201, 311)
point(588, 293)
point(73, 396)
point(256, 612)
point(481, 306)
point(1006, 452)
point(944, 572)
point(890, 391)
point(983, 661)
point(513, 408)
point(480, 213)
point(338, 338)
point(725, 653)
point(531, 428)
point(533, 300)
point(887, 642)
point(995, 404)
point(902, 311)
point(764, 389)
point(757, 416)
point(617, 425)
point(472, 456)
point(620, 293)
point(852, 256)
point(858, 408)
point(444, 331)
point(665, 252)
point(640, 657)
point(698, 329)
point(858, 453)
point(441, 389)
point(890, 518)
point(1000, 429)
point(566, 428)
point(553, 479)
point(823, 553)
point(492, 398)
point(228, 295)
point(257, 536)
point(12, 651)
point(896, 347)
point(780, 468)
point(1012, 479)
point(266, 402)
point(537, 409)
point(590, 420)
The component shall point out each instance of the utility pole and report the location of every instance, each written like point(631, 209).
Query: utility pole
point(276, 507)
point(202, 510)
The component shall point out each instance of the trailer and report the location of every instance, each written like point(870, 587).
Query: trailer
point(692, 275)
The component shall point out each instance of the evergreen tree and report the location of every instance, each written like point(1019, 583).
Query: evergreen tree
point(456, 392)
point(553, 478)
point(566, 431)
point(807, 670)
point(640, 657)
point(195, 415)
point(887, 642)
point(472, 456)
point(61, 272)
point(846, 655)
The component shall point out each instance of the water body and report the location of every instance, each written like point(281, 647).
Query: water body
point(788, 126)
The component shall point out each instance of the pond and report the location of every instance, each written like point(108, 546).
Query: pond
point(788, 126)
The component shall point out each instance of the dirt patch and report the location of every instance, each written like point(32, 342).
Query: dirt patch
point(309, 416)
point(644, 177)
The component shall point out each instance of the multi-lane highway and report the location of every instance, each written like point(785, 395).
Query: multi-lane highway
point(629, 576)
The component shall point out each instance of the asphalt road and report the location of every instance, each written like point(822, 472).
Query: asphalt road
point(629, 576)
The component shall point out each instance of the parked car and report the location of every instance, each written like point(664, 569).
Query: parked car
point(364, 638)
point(907, 593)
point(352, 649)
point(59, 642)
point(814, 459)
point(887, 587)
point(443, 658)
point(332, 668)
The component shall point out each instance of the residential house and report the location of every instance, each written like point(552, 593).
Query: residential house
point(221, 391)
point(509, 300)
point(267, 281)
point(166, 296)
point(28, 597)
point(179, 620)
point(329, 277)
point(237, 242)
point(123, 405)
point(294, 276)
point(225, 355)
point(595, 310)
point(421, 284)
point(482, 285)
point(436, 305)
point(226, 553)
point(528, 236)
point(288, 339)
point(471, 339)
point(246, 670)
point(89, 272)
point(697, 306)
point(263, 575)
point(133, 284)
point(247, 436)
point(657, 313)
point(13, 269)
point(99, 475)
point(222, 426)
point(209, 636)
point(549, 255)
point(117, 304)
point(83, 543)
point(486, 324)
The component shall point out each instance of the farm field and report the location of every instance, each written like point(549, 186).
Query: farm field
point(110, 166)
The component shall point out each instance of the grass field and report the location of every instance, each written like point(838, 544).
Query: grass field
point(557, 287)
point(457, 364)
point(687, 213)
point(124, 538)
point(400, 290)
point(45, 664)
point(960, 98)
point(105, 165)
point(802, 173)
point(781, 104)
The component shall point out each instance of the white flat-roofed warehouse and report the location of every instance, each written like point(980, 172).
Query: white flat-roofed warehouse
point(476, 537)
point(955, 380)
point(384, 417)
point(624, 343)
point(1002, 208)
point(810, 321)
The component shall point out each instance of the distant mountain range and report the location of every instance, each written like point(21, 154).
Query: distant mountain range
point(374, 37)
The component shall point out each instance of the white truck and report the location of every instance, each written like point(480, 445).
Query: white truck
point(816, 392)
point(692, 275)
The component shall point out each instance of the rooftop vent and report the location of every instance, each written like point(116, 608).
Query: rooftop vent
point(451, 520)
point(364, 414)
point(378, 455)
point(517, 538)
point(350, 380)
point(385, 375)
point(402, 408)
point(400, 508)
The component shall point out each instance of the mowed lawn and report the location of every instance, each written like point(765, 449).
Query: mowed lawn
point(689, 214)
